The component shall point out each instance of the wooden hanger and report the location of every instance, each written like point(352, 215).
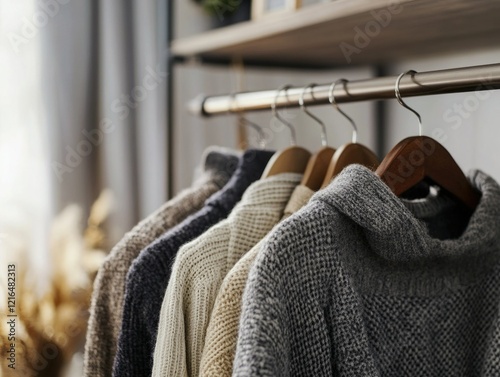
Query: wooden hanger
point(348, 154)
point(420, 157)
point(318, 163)
point(417, 158)
point(317, 167)
point(293, 159)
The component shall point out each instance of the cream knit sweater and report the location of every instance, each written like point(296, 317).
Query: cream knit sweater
point(222, 332)
point(200, 267)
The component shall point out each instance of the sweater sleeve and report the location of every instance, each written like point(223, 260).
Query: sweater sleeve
point(170, 351)
point(262, 340)
point(222, 332)
point(141, 310)
point(283, 304)
point(187, 304)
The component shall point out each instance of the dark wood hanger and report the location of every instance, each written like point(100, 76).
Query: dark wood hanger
point(318, 163)
point(417, 158)
point(348, 154)
point(317, 167)
point(293, 159)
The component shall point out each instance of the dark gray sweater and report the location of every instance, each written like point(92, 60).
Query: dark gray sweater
point(148, 276)
point(362, 283)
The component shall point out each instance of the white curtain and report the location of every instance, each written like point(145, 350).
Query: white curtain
point(82, 108)
point(25, 177)
point(104, 88)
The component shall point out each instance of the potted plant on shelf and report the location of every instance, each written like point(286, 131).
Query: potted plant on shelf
point(227, 12)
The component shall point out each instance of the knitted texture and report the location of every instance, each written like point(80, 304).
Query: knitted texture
point(200, 267)
point(222, 332)
point(109, 285)
point(362, 283)
point(148, 276)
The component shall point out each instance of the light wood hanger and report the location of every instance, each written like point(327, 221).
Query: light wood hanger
point(417, 158)
point(318, 163)
point(348, 154)
point(293, 159)
point(351, 153)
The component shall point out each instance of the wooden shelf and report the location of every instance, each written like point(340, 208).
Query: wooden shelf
point(313, 35)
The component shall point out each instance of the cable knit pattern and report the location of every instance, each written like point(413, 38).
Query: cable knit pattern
point(148, 276)
point(362, 283)
point(109, 285)
point(222, 332)
point(200, 267)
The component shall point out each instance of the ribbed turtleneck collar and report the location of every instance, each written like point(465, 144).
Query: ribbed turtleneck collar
point(251, 165)
point(393, 226)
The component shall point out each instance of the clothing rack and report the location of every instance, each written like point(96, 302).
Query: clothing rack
point(466, 79)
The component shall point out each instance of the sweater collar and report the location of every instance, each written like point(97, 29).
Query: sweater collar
point(300, 196)
point(396, 228)
point(251, 165)
point(219, 164)
point(274, 191)
point(260, 208)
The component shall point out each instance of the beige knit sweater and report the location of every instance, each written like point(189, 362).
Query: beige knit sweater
point(200, 267)
point(109, 286)
point(222, 332)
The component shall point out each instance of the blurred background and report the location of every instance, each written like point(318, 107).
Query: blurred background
point(87, 149)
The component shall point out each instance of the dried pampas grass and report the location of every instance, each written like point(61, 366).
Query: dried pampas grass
point(50, 325)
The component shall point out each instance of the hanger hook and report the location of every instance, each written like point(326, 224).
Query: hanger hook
point(402, 103)
point(303, 107)
point(331, 98)
point(293, 137)
point(260, 131)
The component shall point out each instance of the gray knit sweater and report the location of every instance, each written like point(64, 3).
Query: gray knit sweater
point(361, 283)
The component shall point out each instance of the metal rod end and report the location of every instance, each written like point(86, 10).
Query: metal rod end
point(196, 105)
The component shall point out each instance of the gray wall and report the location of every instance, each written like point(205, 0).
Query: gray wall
point(470, 134)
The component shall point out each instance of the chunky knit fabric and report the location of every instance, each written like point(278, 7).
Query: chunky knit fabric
point(222, 332)
point(200, 268)
point(109, 286)
point(148, 276)
point(361, 283)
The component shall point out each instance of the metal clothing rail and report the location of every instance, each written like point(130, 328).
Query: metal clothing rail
point(467, 79)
